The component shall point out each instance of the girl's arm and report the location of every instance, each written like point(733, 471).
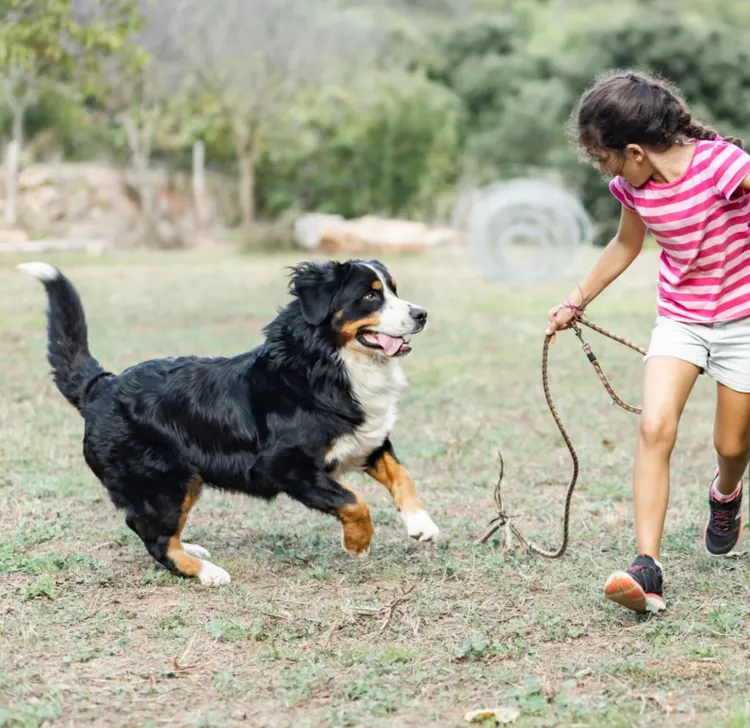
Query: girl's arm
point(621, 251)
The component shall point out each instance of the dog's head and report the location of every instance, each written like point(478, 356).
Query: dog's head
point(358, 303)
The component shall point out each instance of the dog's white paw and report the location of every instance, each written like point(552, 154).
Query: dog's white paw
point(420, 526)
point(212, 575)
point(194, 550)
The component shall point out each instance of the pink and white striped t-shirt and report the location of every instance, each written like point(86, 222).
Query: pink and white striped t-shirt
point(701, 221)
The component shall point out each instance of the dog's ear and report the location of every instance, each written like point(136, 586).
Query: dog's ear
point(316, 285)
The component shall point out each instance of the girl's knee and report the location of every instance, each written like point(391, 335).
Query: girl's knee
point(658, 431)
point(731, 449)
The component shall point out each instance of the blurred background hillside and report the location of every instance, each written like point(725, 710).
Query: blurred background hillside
point(179, 123)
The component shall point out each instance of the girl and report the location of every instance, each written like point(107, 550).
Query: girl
point(689, 187)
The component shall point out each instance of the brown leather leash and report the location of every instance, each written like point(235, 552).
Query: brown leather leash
point(503, 519)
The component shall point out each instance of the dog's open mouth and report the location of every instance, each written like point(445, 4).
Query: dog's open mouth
point(390, 345)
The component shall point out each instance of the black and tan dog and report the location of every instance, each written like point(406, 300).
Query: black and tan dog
point(317, 399)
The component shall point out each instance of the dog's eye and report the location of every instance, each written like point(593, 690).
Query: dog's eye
point(371, 296)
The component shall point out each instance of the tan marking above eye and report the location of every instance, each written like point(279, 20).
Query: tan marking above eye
point(392, 284)
point(377, 285)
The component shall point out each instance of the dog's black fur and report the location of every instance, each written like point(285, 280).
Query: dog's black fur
point(259, 423)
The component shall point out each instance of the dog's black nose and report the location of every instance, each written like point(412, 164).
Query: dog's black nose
point(419, 314)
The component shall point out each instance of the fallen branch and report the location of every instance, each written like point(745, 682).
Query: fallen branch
point(394, 605)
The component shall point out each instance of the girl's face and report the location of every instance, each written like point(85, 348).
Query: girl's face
point(632, 164)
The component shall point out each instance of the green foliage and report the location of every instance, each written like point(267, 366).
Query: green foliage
point(481, 60)
point(59, 123)
point(44, 41)
point(229, 630)
point(470, 96)
point(519, 91)
point(708, 59)
point(514, 98)
point(43, 587)
point(32, 36)
point(390, 145)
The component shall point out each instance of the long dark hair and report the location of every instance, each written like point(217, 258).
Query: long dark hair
point(633, 107)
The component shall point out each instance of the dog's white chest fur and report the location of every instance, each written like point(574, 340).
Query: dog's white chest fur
point(376, 383)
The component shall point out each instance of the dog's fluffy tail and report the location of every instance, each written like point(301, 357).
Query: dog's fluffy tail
point(73, 367)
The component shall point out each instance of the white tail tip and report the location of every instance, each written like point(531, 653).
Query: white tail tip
point(42, 271)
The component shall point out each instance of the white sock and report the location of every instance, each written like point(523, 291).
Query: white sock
point(720, 496)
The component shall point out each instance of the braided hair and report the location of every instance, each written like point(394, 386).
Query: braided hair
point(632, 107)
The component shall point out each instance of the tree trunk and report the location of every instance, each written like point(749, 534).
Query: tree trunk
point(246, 167)
point(13, 160)
point(18, 114)
point(139, 143)
point(145, 189)
point(199, 184)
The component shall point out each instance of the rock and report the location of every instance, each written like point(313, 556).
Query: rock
point(308, 229)
point(334, 234)
point(13, 237)
point(98, 202)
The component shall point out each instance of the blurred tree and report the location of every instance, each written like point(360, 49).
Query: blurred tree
point(352, 105)
point(511, 99)
point(706, 56)
point(389, 146)
point(519, 83)
point(134, 94)
point(43, 44)
point(254, 57)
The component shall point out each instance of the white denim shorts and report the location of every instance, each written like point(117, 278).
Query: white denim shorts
point(721, 350)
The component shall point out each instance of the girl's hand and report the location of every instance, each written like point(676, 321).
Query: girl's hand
point(561, 317)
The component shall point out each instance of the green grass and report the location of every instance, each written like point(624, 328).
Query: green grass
point(93, 632)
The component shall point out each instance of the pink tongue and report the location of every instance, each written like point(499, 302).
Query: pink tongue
point(390, 344)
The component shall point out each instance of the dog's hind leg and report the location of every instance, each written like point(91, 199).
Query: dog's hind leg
point(194, 492)
point(383, 466)
point(160, 528)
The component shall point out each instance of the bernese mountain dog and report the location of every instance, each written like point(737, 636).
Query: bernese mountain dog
point(315, 400)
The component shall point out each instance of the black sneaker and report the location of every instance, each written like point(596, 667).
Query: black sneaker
point(639, 588)
point(724, 526)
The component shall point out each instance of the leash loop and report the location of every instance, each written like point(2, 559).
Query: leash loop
point(503, 519)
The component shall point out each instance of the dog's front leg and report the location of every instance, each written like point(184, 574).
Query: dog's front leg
point(296, 474)
point(328, 495)
point(383, 466)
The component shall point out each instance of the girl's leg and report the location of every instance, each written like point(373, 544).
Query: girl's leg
point(666, 387)
point(667, 384)
point(731, 437)
point(732, 442)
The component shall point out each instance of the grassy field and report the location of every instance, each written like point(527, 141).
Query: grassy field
point(92, 632)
